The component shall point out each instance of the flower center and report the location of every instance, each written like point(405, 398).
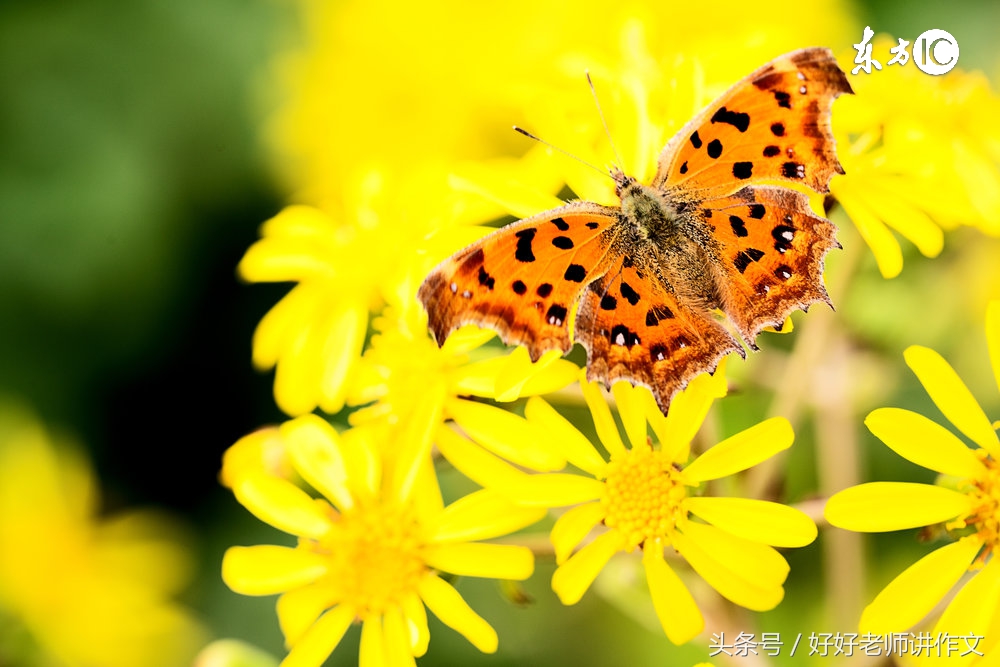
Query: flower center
point(643, 494)
point(376, 559)
point(985, 516)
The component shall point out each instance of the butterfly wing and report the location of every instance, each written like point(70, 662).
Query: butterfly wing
point(772, 125)
point(523, 280)
point(636, 329)
point(772, 247)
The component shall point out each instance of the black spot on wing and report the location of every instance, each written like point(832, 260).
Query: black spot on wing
point(524, 239)
point(757, 211)
point(472, 262)
point(622, 335)
point(739, 227)
point(745, 257)
point(696, 140)
point(771, 151)
point(741, 121)
point(684, 168)
point(743, 170)
point(783, 99)
point(485, 279)
point(519, 287)
point(714, 148)
point(593, 225)
point(561, 224)
point(556, 315)
point(563, 242)
point(609, 302)
point(793, 170)
point(575, 273)
point(629, 294)
point(544, 290)
point(778, 129)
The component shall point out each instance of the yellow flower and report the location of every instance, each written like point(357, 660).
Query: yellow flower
point(920, 154)
point(646, 497)
point(966, 501)
point(411, 381)
point(369, 248)
point(88, 592)
point(371, 551)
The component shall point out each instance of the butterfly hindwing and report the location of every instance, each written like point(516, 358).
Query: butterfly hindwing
point(772, 250)
point(635, 329)
point(772, 125)
point(523, 280)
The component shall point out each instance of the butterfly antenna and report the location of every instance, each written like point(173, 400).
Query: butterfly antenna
point(556, 148)
point(600, 112)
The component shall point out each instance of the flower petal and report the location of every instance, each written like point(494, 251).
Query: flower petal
point(570, 529)
point(481, 516)
point(299, 608)
point(341, 345)
point(952, 397)
point(550, 373)
point(316, 645)
point(993, 337)
point(446, 603)
point(372, 650)
point(268, 569)
point(687, 412)
point(675, 607)
point(882, 506)
point(416, 440)
point(564, 435)
point(397, 639)
point(572, 579)
point(973, 609)
point(885, 247)
point(314, 448)
point(631, 410)
point(557, 490)
point(607, 429)
point(281, 504)
point(477, 464)
point(911, 595)
point(416, 620)
point(756, 520)
point(924, 442)
point(472, 559)
point(746, 573)
point(505, 434)
point(741, 451)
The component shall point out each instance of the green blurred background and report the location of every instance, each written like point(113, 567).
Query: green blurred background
point(132, 179)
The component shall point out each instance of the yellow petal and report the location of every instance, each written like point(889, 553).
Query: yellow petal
point(678, 612)
point(281, 504)
point(318, 643)
point(882, 506)
point(473, 559)
point(883, 244)
point(563, 435)
point(343, 339)
point(372, 650)
point(557, 490)
point(297, 377)
point(746, 573)
point(482, 515)
point(465, 339)
point(607, 430)
point(416, 621)
point(631, 409)
point(417, 437)
point(741, 451)
point(505, 434)
point(687, 412)
point(909, 221)
point(287, 316)
point(397, 640)
point(476, 463)
point(952, 397)
point(314, 447)
point(267, 569)
point(570, 529)
point(572, 579)
point(549, 373)
point(261, 450)
point(924, 442)
point(446, 603)
point(299, 608)
point(557, 375)
point(756, 520)
point(993, 337)
point(973, 610)
point(911, 595)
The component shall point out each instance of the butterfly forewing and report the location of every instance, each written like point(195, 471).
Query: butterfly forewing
point(773, 125)
point(523, 280)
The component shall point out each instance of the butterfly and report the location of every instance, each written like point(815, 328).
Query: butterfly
point(643, 279)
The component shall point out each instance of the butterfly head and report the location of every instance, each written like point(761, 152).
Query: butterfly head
point(622, 182)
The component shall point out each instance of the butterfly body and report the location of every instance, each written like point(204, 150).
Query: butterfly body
point(645, 277)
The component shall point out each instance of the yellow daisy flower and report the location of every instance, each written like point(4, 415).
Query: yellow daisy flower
point(347, 259)
point(86, 592)
point(966, 501)
point(372, 550)
point(647, 498)
point(920, 155)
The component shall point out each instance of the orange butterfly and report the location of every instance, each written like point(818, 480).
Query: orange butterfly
point(701, 237)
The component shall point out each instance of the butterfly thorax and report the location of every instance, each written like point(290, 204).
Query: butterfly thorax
point(666, 239)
